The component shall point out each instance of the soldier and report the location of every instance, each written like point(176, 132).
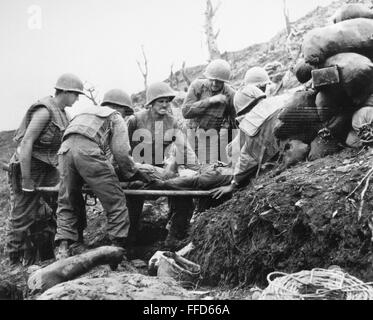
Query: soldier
point(32, 221)
point(257, 76)
point(209, 105)
point(120, 101)
point(157, 121)
point(258, 117)
point(84, 158)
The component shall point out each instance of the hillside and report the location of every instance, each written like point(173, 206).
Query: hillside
point(307, 217)
point(271, 225)
point(279, 55)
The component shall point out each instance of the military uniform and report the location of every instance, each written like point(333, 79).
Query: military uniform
point(32, 218)
point(83, 159)
point(201, 115)
point(181, 208)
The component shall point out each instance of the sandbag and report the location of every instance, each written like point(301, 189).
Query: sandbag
point(362, 122)
point(331, 138)
point(323, 147)
point(329, 103)
point(303, 71)
point(299, 118)
point(185, 272)
point(362, 117)
point(340, 125)
point(352, 11)
point(356, 76)
point(368, 102)
point(294, 151)
point(72, 267)
point(326, 106)
point(353, 141)
point(347, 36)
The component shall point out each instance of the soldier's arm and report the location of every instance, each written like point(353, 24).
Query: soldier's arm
point(245, 167)
point(231, 110)
point(131, 125)
point(120, 147)
point(193, 106)
point(39, 120)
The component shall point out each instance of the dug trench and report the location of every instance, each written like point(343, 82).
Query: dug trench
point(150, 234)
point(304, 218)
point(297, 220)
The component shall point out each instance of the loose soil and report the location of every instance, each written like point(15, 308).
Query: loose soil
point(298, 220)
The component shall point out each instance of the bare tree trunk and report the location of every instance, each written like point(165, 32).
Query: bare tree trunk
point(172, 76)
point(183, 72)
point(92, 93)
point(144, 71)
point(287, 19)
point(211, 36)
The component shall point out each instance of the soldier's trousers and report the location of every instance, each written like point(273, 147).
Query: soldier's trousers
point(209, 177)
point(81, 160)
point(32, 224)
point(181, 211)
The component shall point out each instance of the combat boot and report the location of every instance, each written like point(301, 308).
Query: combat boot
point(120, 243)
point(63, 250)
point(77, 248)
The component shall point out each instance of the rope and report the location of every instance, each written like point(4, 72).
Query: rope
point(315, 275)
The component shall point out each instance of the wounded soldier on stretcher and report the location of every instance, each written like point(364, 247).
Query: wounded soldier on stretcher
point(215, 177)
point(254, 147)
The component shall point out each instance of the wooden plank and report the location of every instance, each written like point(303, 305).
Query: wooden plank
point(184, 193)
point(124, 185)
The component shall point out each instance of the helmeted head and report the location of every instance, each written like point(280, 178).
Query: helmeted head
point(159, 95)
point(69, 82)
point(257, 76)
point(218, 72)
point(159, 90)
point(71, 86)
point(246, 98)
point(118, 100)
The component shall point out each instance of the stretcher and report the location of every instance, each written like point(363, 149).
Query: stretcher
point(134, 192)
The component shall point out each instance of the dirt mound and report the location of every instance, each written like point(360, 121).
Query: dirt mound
point(119, 287)
point(296, 221)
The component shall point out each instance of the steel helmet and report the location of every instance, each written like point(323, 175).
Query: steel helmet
point(246, 97)
point(159, 90)
point(218, 70)
point(257, 76)
point(117, 96)
point(69, 82)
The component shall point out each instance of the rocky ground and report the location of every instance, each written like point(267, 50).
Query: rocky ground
point(130, 278)
point(305, 217)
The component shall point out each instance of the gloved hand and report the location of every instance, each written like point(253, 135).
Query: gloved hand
point(219, 98)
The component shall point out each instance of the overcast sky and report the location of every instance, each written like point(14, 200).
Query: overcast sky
point(100, 41)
